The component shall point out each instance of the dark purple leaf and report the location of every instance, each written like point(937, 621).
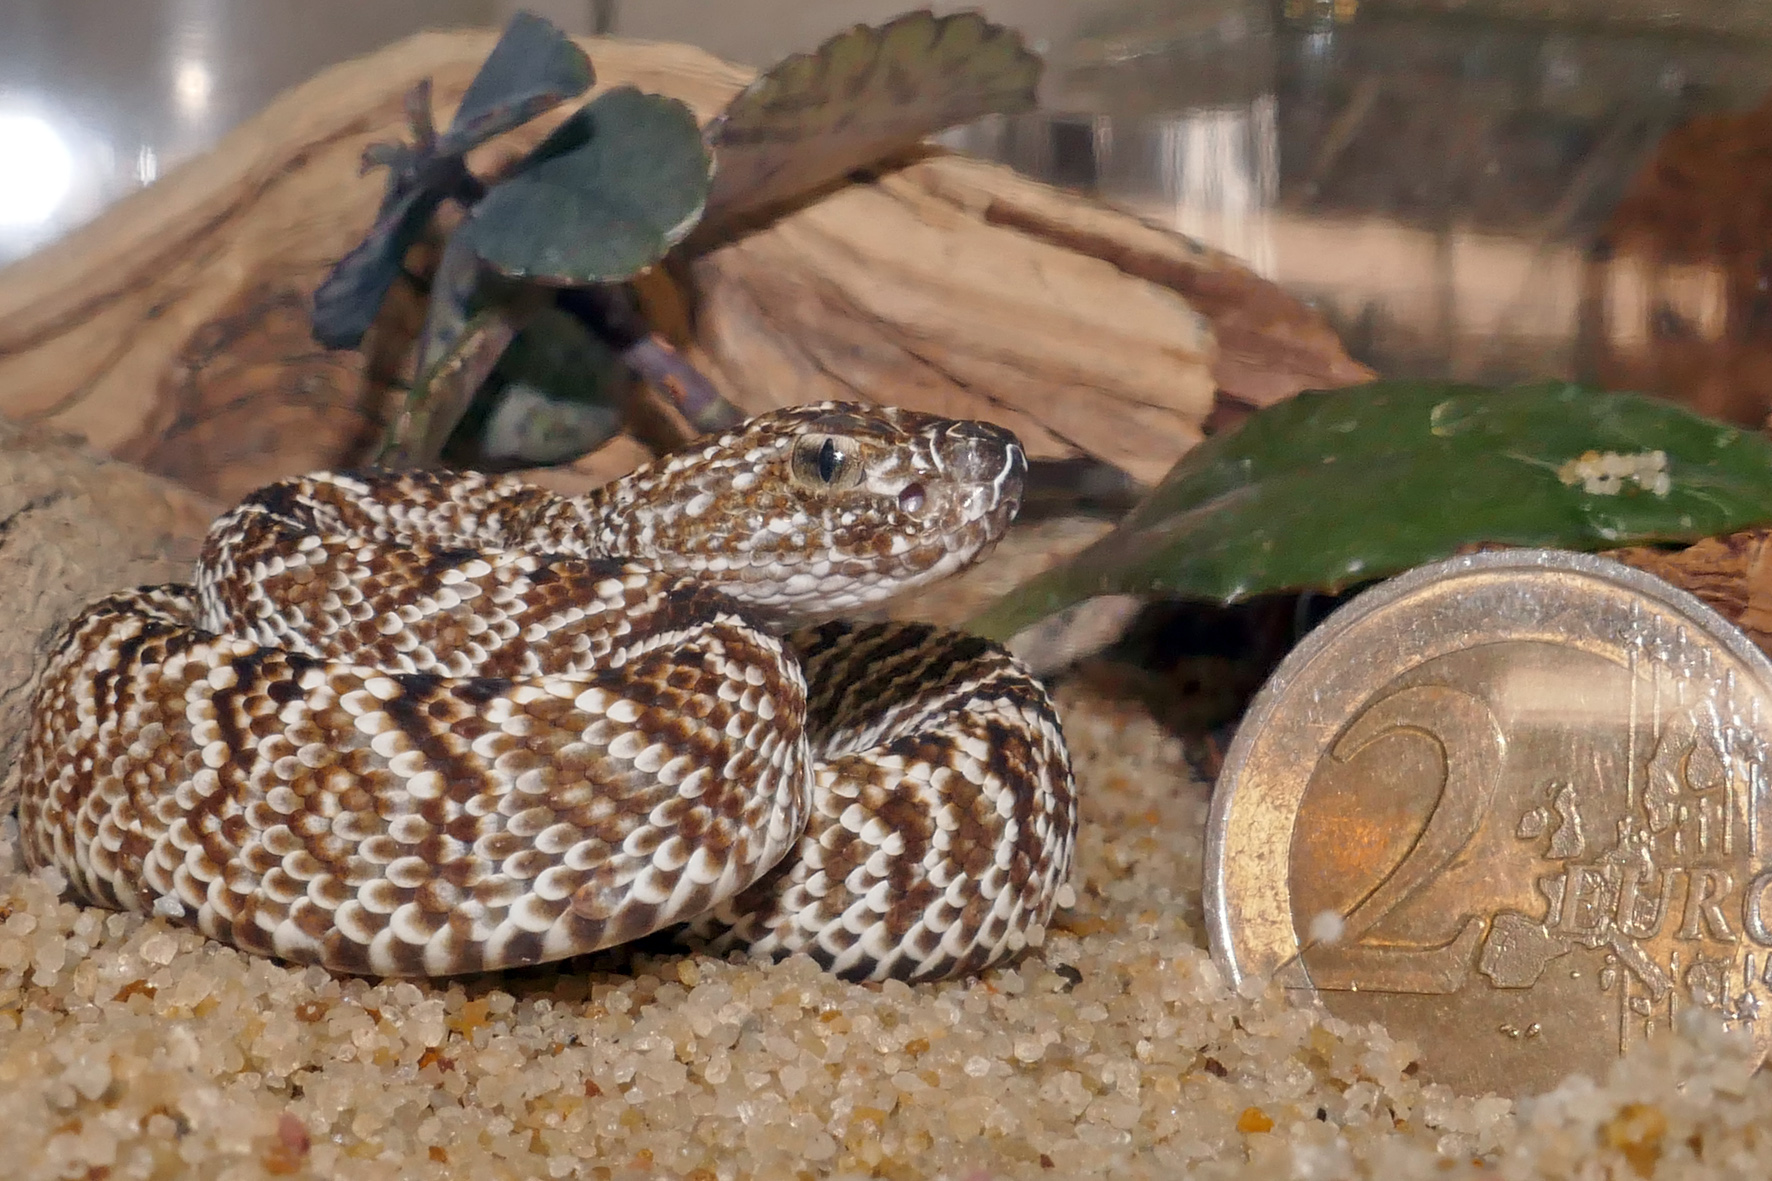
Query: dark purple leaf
point(665, 370)
point(346, 302)
point(864, 95)
point(533, 67)
point(612, 312)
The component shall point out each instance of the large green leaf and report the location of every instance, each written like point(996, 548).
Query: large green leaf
point(1334, 488)
point(606, 195)
point(864, 95)
point(533, 68)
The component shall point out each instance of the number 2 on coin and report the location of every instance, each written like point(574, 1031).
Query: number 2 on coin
point(1470, 742)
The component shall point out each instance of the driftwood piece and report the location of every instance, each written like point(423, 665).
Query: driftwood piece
point(1270, 345)
point(73, 528)
point(172, 332)
point(1732, 573)
point(891, 288)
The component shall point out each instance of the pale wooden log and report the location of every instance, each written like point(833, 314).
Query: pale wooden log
point(1270, 346)
point(887, 287)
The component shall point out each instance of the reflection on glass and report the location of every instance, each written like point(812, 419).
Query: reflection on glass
point(133, 90)
point(36, 170)
point(192, 84)
point(193, 30)
point(1219, 171)
point(1443, 190)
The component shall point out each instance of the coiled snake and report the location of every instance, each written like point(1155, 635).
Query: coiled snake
point(423, 723)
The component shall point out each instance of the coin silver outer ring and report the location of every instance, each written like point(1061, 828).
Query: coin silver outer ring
point(1272, 695)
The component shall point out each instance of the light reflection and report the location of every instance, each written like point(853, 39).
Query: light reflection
point(36, 170)
point(198, 30)
point(192, 85)
point(1219, 168)
point(1648, 301)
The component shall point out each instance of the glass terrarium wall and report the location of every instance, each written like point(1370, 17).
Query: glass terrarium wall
point(1446, 189)
point(1443, 179)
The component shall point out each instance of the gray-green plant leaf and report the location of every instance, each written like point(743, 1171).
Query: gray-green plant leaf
point(1334, 488)
point(533, 67)
point(606, 195)
point(455, 288)
point(458, 348)
point(864, 95)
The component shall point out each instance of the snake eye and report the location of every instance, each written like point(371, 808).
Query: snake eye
point(825, 461)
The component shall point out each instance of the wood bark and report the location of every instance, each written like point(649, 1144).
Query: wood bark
point(895, 287)
point(1732, 573)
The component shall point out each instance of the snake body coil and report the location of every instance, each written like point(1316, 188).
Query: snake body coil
point(423, 724)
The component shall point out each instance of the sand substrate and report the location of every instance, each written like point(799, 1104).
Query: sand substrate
point(134, 1049)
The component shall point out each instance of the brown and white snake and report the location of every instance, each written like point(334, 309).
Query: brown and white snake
point(424, 723)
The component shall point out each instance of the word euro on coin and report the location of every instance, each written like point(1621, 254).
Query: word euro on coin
point(1515, 807)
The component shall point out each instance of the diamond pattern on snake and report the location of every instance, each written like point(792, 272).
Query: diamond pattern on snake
point(425, 723)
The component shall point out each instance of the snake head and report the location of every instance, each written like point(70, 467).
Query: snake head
point(810, 511)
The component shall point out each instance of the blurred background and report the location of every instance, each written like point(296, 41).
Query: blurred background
point(1486, 191)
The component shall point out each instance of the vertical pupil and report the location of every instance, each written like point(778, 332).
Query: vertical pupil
point(829, 459)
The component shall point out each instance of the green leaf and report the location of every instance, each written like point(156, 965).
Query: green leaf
point(1344, 486)
point(602, 198)
point(864, 95)
point(533, 68)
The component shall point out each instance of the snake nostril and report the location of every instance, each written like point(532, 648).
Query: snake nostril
point(911, 498)
point(978, 452)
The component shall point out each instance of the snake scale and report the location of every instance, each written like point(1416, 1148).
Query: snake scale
point(419, 724)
